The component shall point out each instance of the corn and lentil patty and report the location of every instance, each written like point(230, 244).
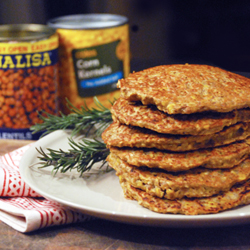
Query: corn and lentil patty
point(180, 139)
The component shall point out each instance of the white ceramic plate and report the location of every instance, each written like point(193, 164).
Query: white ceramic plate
point(100, 194)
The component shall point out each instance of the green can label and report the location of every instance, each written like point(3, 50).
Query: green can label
point(97, 69)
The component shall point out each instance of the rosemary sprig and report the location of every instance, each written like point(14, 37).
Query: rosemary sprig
point(79, 120)
point(81, 156)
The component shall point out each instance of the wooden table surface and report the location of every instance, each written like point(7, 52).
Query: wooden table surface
point(102, 234)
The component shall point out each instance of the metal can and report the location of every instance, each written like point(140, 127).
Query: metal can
point(93, 56)
point(28, 78)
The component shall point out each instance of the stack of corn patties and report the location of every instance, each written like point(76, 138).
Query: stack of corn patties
point(179, 140)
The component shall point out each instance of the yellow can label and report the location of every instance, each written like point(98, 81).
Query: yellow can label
point(91, 62)
point(29, 54)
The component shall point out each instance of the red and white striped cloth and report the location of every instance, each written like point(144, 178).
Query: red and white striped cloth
point(21, 207)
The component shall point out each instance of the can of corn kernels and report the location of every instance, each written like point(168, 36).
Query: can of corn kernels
point(28, 78)
point(93, 56)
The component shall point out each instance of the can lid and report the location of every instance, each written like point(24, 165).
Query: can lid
point(87, 21)
point(24, 32)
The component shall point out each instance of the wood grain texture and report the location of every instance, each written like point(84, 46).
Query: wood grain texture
point(10, 145)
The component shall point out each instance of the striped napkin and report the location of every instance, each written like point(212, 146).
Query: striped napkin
point(21, 207)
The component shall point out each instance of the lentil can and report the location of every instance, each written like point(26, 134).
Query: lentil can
point(93, 56)
point(28, 78)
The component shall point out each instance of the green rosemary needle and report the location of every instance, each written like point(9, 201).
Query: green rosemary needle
point(79, 120)
point(81, 156)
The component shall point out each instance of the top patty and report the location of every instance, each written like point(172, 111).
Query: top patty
point(186, 89)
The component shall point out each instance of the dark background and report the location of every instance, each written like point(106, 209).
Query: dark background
point(161, 32)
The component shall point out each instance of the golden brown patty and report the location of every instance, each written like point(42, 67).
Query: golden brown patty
point(238, 195)
point(186, 89)
point(119, 135)
point(198, 182)
point(220, 157)
point(135, 114)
